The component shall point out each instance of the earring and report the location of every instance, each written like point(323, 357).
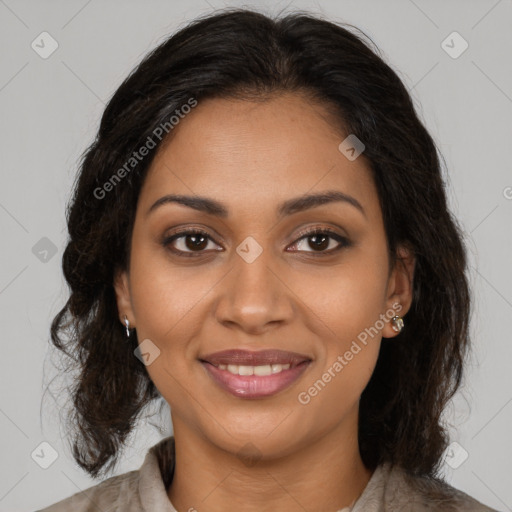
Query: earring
point(397, 323)
point(127, 324)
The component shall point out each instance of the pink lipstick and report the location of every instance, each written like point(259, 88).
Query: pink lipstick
point(259, 374)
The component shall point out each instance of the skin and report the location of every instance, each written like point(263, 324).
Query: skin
point(251, 156)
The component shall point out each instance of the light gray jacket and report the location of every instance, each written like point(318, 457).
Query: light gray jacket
point(144, 490)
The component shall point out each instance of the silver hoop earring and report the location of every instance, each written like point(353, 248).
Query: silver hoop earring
point(127, 324)
point(397, 323)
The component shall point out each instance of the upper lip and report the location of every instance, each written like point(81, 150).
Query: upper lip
point(259, 358)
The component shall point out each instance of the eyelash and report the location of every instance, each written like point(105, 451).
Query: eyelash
point(343, 241)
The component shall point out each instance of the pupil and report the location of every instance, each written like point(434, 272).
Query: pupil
point(319, 241)
point(322, 244)
point(196, 245)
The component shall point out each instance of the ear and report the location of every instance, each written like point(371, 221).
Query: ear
point(123, 297)
point(400, 287)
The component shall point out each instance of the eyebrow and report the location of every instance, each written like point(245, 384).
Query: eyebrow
point(288, 207)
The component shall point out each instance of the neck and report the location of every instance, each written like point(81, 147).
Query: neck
point(327, 474)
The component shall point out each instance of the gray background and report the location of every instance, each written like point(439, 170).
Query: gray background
point(50, 110)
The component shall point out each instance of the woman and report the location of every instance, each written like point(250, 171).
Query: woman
point(260, 235)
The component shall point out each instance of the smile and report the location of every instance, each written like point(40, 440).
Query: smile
point(261, 370)
point(252, 382)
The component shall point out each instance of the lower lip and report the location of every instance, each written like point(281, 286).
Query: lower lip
point(255, 386)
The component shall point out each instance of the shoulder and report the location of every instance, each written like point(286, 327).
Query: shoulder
point(133, 491)
point(115, 493)
point(404, 492)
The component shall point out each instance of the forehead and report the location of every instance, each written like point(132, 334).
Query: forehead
point(254, 154)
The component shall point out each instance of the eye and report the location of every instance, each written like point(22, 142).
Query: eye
point(196, 241)
point(320, 240)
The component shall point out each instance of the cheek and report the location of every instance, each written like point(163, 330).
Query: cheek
point(347, 306)
point(346, 300)
point(334, 392)
point(164, 297)
point(170, 304)
point(166, 306)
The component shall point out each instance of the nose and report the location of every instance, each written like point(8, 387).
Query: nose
point(254, 297)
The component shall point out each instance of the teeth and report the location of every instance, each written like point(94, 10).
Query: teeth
point(254, 370)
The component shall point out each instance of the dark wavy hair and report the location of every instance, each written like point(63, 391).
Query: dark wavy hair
point(245, 54)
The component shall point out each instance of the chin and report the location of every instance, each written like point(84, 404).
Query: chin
point(258, 435)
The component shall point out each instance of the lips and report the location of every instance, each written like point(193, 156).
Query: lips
point(262, 357)
point(246, 374)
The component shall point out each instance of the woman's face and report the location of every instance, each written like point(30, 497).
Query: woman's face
point(256, 282)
